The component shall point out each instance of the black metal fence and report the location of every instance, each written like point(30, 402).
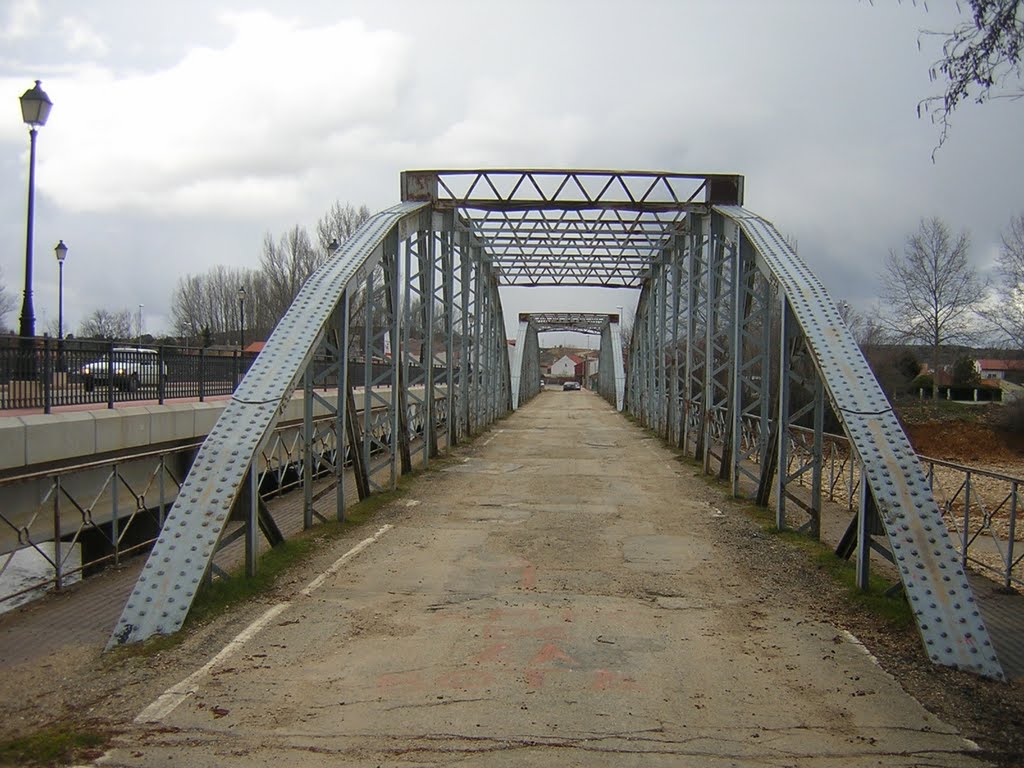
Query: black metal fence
point(44, 373)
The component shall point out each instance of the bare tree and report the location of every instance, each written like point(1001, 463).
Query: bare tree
point(286, 265)
point(187, 305)
point(7, 302)
point(980, 58)
point(209, 301)
point(340, 223)
point(866, 327)
point(1006, 316)
point(104, 324)
point(932, 290)
point(863, 326)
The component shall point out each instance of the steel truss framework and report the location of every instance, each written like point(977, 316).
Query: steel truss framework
point(611, 381)
point(734, 344)
point(409, 291)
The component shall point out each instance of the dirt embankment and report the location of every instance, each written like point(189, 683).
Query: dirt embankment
point(966, 442)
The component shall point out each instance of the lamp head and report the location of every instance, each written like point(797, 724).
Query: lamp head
point(35, 106)
point(61, 251)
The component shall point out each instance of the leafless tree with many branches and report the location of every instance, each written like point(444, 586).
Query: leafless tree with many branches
point(932, 291)
point(980, 60)
point(1006, 314)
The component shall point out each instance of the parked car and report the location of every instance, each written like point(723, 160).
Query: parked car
point(130, 368)
point(571, 386)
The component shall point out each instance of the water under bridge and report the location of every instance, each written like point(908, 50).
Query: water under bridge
point(735, 345)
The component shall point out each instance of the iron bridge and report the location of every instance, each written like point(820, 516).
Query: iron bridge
point(735, 348)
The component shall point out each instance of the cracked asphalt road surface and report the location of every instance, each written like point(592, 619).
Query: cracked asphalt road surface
point(560, 595)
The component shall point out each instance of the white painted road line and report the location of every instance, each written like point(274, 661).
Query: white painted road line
point(169, 700)
point(496, 433)
point(173, 696)
point(336, 565)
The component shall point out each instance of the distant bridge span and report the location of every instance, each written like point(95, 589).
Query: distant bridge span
point(734, 342)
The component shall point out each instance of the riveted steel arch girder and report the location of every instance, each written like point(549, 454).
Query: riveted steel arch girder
point(933, 578)
point(183, 552)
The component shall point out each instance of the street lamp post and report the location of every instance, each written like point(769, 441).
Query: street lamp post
point(140, 324)
point(35, 108)
point(61, 251)
point(241, 317)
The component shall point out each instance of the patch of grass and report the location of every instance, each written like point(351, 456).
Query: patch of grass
point(55, 745)
point(928, 411)
point(221, 594)
point(217, 596)
point(892, 609)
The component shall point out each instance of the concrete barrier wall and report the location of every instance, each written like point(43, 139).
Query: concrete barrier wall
point(28, 441)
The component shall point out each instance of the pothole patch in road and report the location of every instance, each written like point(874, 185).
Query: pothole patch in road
point(490, 513)
point(477, 467)
point(677, 603)
point(663, 554)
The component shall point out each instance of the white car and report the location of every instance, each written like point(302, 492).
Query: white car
point(131, 368)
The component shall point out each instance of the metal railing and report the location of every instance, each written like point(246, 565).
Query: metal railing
point(980, 507)
point(93, 513)
point(46, 373)
point(49, 373)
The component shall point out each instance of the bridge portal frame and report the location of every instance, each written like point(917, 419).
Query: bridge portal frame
point(611, 381)
point(697, 256)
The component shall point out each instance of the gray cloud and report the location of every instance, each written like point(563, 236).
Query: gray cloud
point(206, 125)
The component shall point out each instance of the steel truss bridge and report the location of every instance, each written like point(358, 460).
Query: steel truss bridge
point(735, 347)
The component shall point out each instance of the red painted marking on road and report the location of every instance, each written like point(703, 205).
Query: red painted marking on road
point(551, 652)
point(556, 632)
point(518, 614)
point(606, 680)
point(466, 679)
point(529, 577)
point(535, 678)
point(400, 680)
point(492, 653)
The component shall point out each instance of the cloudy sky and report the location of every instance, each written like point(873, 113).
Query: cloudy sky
point(182, 132)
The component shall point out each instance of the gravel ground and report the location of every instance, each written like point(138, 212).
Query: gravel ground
point(989, 713)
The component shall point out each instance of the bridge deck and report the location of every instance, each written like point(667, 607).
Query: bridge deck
point(564, 592)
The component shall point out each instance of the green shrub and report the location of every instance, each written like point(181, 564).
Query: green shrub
point(924, 381)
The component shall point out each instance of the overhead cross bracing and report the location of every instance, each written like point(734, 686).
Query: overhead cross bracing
point(736, 354)
point(581, 322)
point(572, 227)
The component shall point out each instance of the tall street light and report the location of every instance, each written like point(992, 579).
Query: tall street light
point(61, 251)
point(35, 108)
point(241, 315)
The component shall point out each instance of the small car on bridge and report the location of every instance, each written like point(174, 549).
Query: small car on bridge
point(129, 369)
